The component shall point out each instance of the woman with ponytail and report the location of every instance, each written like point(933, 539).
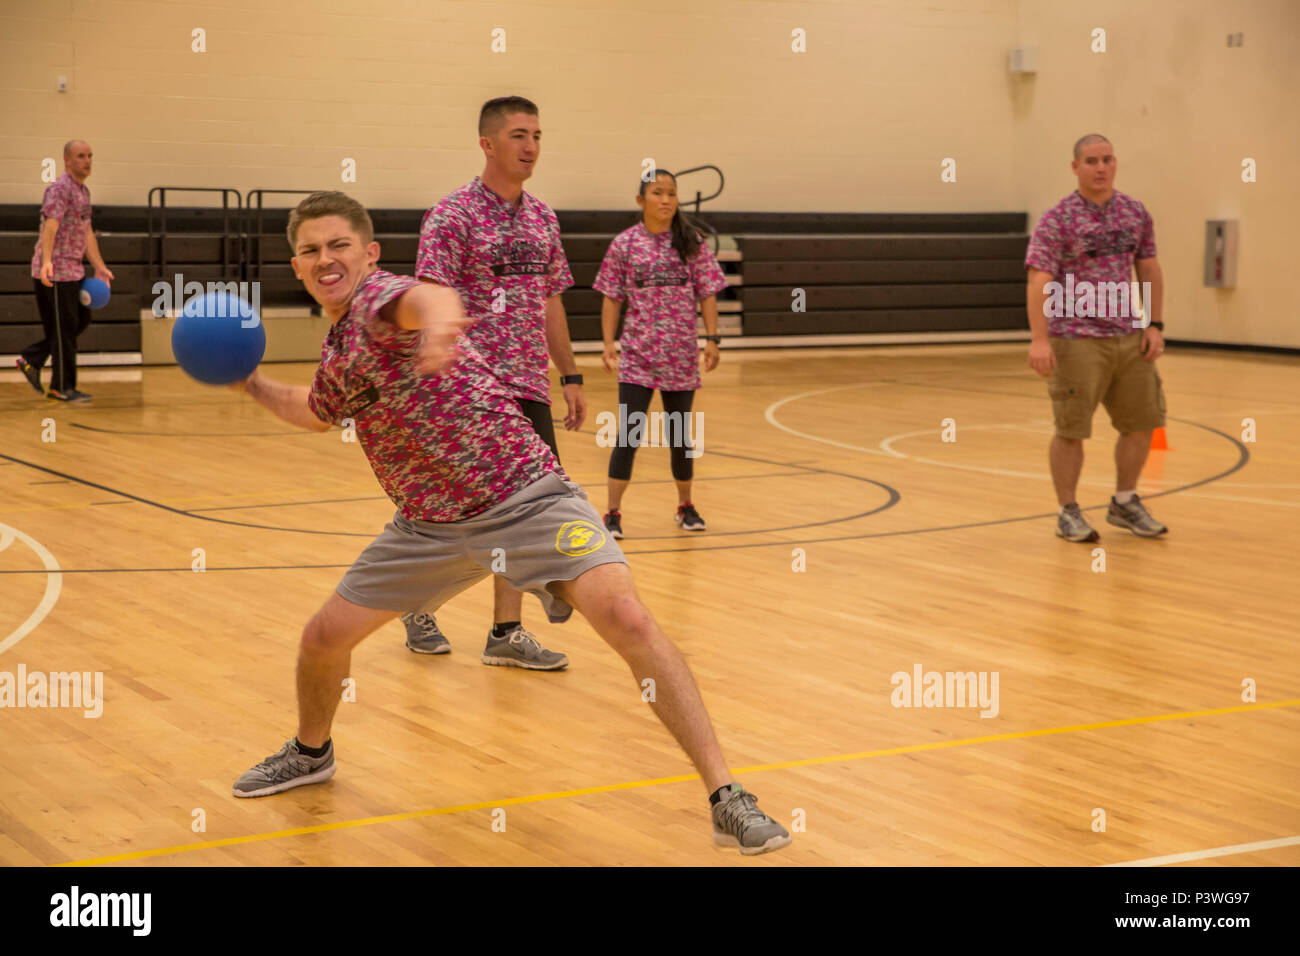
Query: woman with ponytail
point(663, 268)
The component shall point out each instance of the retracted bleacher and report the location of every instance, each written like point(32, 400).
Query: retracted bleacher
point(813, 275)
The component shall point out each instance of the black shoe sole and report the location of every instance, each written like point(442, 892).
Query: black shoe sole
point(34, 380)
point(1088, 540)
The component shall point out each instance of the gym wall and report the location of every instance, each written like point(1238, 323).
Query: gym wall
point(287, 91)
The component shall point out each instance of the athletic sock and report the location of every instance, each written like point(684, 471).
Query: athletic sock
point(1124, 497)
point(312, 751)
point(716, 796)
point(504, 628)
point(1072, 506)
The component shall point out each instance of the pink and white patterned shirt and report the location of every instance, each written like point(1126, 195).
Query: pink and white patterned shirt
point(1093, 244)
point(659, 340)
point(68, 201)
point(444, 447)
point(505, 263)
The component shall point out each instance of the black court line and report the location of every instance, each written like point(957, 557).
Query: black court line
point(171, 510)
point(1243, 458)
point(894, 498)
point(646, 481)
point(291, 504)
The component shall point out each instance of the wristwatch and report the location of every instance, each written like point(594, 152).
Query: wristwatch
point(1157, 325)
point(715, 339)
point(570, 379)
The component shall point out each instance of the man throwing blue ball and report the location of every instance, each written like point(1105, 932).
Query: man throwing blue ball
point(473, 482)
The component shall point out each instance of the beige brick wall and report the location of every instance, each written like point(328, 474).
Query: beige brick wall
point(288, 89)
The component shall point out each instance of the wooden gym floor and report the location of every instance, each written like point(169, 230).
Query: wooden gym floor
point(1120, 691)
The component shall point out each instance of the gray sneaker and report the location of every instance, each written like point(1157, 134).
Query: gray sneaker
point(423, 636)
point(283, 771)
point(1071, 526)
point(737, 822)
point(519, 648)
point(1135, 517)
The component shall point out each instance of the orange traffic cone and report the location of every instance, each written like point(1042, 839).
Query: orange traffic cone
point(1158, 440)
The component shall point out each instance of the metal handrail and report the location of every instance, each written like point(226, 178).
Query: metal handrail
point(162, 224)
point(722, 182)
point(255, 235)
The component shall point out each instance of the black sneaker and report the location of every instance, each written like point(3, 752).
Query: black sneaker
point(689, 518)
point(31, 373)
point(614, 525)
point(71, 395)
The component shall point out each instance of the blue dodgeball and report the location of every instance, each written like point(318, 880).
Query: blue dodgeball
point(94, 293)
point(218, 339)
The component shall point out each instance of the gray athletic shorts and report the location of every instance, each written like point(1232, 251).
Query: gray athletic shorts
point(545, 532)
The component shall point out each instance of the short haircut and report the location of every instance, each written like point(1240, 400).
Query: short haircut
point(330, 203)
point(67, 147)
point(1088, 140)
point(496, 110)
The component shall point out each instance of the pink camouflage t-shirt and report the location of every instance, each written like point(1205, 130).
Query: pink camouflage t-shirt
point(1093, 244)
point(660, 329)
point(68, 201)
point(444, 447)
point(505, 263)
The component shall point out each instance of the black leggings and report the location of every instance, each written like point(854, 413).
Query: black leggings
point(636, 398)
point(63, 318)
point(539, 413)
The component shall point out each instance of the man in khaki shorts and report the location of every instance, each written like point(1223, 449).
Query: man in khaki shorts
point(477, 491)
point(1092, 340)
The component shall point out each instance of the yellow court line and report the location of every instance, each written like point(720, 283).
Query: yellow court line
point(638, 784)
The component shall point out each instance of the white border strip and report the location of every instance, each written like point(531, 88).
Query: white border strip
point(1216, 851)
point(88, 358)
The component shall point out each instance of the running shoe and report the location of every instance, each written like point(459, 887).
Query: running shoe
point(737, 822)
point(689, 518)
point(519, 648)
point(285, 770)
point(31, 373)
point(423, 636)
point(1135, 517)
point(1071, 526)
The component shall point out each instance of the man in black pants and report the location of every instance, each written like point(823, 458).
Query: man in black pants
point(57, 271)
point(499, 247)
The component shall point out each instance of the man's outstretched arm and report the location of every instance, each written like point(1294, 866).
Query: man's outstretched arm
point(288, 402)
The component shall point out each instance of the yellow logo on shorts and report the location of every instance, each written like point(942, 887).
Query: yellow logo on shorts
point(576, 538)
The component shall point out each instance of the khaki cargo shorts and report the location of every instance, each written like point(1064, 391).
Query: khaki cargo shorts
point(1111, 371)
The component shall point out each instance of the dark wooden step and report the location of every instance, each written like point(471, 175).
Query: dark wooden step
point(881, 271)
point(823, 298)
point(854, 248)
point(884, 320)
